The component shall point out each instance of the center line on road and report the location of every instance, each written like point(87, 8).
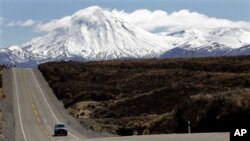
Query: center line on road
point(18, 107)
point(45, 131)
point(49, 105)
point(45, 98)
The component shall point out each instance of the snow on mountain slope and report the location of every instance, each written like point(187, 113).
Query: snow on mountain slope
point(98, 34)
point(14, 54)
point(230, 37)
point(208, 42)
point(93, 34)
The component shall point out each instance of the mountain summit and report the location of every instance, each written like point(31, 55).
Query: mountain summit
point(90, 34)
point(99, 34)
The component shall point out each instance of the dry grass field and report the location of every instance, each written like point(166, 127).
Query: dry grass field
point(129, 97)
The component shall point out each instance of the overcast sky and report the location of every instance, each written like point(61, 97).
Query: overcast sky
point(19, 19)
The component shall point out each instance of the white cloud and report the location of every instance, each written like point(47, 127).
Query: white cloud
point(157, 21)
point(1, 21)
point(25, 23)
point(183, 19)
point(1, 39)
point(54, 24)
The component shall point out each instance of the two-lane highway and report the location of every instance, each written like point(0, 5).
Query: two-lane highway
point(36, 110)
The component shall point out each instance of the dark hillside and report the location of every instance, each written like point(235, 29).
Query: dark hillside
point(154, 96)
point(1, 82)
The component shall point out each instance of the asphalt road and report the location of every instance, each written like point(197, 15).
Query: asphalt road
point(36, 110)
point(170, 137)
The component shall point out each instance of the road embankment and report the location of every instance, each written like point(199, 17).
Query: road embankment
point(7, 106)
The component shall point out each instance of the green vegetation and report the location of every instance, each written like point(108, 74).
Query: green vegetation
point(155, 96)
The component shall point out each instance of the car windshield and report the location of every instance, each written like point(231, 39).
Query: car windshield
point(60, 125)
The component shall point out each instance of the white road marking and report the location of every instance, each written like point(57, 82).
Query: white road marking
point(18, 107)
point(49, 105)
point(74, 136)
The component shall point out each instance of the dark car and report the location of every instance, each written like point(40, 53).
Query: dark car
point(60, 129)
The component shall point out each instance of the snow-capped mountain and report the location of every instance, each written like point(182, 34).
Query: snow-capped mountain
point(99, 34)
point(208, 42)
point(93, 34)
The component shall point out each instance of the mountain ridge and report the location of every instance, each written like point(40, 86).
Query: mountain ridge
point(95, 33)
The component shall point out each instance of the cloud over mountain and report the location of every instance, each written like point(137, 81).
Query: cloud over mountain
point(158, 21)
point(54, 24)
point(179, 20)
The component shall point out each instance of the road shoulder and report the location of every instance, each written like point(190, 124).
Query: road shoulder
point(7, 107)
